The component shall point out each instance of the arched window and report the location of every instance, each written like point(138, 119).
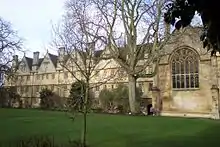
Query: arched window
point(185, 69)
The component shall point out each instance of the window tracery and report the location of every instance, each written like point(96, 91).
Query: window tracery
point(185, 69)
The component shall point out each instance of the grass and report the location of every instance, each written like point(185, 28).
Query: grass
point(110, 130)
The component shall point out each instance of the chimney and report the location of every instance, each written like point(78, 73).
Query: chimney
point(36, 58)
point(15, 61)
point(61, 51)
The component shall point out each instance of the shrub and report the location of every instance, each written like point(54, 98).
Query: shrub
point(121, 97)
point(121, 100)
point(76, 96)
point(8, 97)
point(45, 100)
point(106, 99)
point(117, 98)
point(50, 100)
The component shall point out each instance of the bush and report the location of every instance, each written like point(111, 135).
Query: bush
point(50, 100)
point(117, 100)
point(76, 96)
point(9, 97)
point(106, 99)
point(121, 97)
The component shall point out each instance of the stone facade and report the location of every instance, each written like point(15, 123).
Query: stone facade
point(201, 100)
point(34, 74)
point(186, 84)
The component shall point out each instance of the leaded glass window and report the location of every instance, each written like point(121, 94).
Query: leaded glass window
point(185, 69)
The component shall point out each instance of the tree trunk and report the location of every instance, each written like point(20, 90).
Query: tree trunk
point(84, 124)
point(134, 106)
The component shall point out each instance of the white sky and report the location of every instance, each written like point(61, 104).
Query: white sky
point(33, 20)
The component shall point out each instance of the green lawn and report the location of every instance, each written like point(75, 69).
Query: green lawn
point(111, 130)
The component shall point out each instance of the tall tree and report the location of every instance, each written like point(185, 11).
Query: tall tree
point(10, 42)
point(81, 55)
point(138, 24)
point(181, 12)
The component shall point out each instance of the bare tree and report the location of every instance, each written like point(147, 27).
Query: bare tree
point(81, 50)
point(140, 24)
point(9, 44)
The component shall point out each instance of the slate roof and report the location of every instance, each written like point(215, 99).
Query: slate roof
point(40, 61)
point(53, 59)
point(98, 53)
point(29, 62)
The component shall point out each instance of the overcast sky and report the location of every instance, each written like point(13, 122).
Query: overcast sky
point(33, 20)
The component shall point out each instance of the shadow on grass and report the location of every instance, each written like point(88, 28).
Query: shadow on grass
point(208, 137)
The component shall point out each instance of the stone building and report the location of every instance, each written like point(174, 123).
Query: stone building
point(186, 83)
point(1, 78)
point(3, 70)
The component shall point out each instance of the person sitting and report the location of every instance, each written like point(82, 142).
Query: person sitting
point(152, 111)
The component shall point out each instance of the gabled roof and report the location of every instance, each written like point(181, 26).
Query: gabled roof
point(54, 59)
point(29, 62)
point(40, 61)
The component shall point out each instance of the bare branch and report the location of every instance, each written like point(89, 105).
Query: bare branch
point(83, 37)
point(9, 44)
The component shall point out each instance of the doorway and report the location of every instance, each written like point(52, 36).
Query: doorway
point(149, 106)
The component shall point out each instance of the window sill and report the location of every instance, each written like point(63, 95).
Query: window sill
point(186, 89)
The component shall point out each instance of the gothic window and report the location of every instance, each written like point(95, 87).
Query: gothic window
point(185, 69)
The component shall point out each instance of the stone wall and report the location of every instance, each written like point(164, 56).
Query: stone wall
point(192, 101)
